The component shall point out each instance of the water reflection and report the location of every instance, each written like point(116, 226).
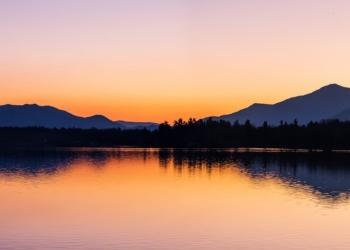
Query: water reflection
point(324, 175)
point(173, 199)
point(34, 162)
point(31, 162)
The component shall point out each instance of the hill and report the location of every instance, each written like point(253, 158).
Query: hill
point(324, 103)
point(51, 117)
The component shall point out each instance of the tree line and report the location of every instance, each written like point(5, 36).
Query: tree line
point(326, 135)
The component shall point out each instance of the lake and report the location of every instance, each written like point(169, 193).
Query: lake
point(173, 199)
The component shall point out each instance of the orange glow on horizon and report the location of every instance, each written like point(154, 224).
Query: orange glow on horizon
point(165, 60)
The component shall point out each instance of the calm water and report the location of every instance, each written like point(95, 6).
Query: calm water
point(166, 199)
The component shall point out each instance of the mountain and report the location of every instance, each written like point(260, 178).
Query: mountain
point(139, 125)
point(324, 103)
point(50, 117)
point(343, 116)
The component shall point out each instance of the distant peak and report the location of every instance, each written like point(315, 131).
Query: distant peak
point(34, 105)
point(333, 86)
point(255, 104)
point(96, 116)
point(258, 105)
point(332, 89)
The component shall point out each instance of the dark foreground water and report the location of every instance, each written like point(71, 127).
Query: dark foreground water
point(173, 199)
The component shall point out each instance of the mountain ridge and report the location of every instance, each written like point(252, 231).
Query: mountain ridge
point(47, 116)
point(328, 102)
point(323, 103)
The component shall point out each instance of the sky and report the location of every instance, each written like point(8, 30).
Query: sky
point(157, 60)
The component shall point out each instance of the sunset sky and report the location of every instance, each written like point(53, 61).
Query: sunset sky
point(156, 60)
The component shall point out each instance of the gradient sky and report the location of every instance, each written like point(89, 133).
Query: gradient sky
point(156, 60)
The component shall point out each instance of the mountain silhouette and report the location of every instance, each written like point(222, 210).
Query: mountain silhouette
point(324, 103)
point(138, 125)
point(329, 102)
point(343, 116)
point(50, 117)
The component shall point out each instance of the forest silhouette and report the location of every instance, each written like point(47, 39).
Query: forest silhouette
point(325, 135)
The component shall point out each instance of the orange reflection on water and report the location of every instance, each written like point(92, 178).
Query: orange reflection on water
point(136, 201)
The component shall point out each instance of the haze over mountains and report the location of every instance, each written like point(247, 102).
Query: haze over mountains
point(50, 117)
point(329, 102)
